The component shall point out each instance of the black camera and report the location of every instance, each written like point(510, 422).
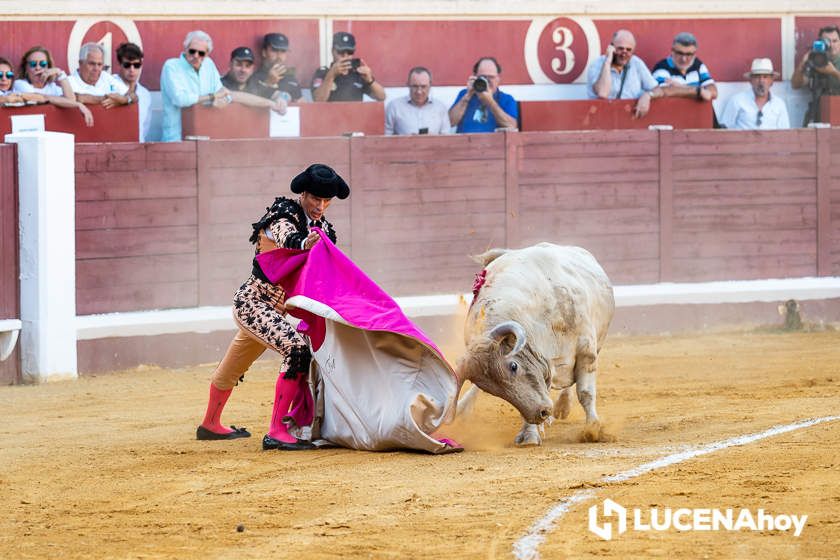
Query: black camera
point(480, 84)
point(355, 63)
point(818, 56)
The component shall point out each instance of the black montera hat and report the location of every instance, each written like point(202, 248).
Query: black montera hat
point(322, 181)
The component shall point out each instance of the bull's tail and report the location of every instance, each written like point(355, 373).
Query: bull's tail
point(487, 257)
point(467, 401)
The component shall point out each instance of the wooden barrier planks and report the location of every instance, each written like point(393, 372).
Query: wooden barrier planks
point(136, 227)
point(169, 223)
point(423, 205)
point(9, 254)
point(237, 180)
point(744, 205)
point(598, 191)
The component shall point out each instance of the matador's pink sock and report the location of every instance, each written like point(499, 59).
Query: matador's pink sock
point(284, 392)
point(212, 418)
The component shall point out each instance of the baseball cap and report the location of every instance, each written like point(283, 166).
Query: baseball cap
point(343, 41)
point(242, 53)
point(276, 41)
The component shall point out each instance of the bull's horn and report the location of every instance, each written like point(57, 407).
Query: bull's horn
point(510, 327)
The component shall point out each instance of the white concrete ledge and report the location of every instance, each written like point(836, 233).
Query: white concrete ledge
point(209, 319)
point(9, 330)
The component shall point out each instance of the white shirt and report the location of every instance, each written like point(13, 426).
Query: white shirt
point(404, 117)
point(144, 104)
point(50, 88)
point(105, 85)
point(742, 113)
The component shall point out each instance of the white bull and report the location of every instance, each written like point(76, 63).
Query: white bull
point(538, 322)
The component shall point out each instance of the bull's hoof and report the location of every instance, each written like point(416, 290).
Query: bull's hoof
point(562, 408)
point(527, 439)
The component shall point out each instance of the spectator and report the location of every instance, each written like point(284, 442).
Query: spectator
point(38, 74)
point(756, 108)
point(274, 79)
point(7, 80)
point(41, 82)
point(238, 77)
point(683, 74)
point(347, 78)
point(806, 69)
point(820, 72)
point(239, 80)
point(482, 106)
point(189, 79)
point(93, 86)
point(619, 74)
point(417, 113)
point(130, 60)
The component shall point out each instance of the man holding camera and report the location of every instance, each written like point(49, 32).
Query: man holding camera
point(274, 80)
point(347, 78)
point(482, 106)
point(619, 74)
point(819, 69)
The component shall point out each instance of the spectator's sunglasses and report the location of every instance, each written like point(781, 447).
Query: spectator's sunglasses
point(194, 52)
point(8, 74)
point(758, 118)
point(128, 65)
point(41, 63)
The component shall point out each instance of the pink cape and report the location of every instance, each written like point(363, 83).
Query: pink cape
point(386, 384)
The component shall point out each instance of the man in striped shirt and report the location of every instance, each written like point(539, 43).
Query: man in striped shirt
point(683, 74)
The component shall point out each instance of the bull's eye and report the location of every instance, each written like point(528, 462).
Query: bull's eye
point(513, 367)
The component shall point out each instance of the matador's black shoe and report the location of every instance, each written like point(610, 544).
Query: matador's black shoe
point(205, 434)
point(271, 443)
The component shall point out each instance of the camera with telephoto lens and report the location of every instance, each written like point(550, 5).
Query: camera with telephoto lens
point(818, 56)
point(480, 84)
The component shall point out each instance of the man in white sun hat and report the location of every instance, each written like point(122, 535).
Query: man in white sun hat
point(756, 108)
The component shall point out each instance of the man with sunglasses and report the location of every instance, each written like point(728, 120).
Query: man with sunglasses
point(756, 108)
point(347, 78)
point(130, 64)
point(93, 86)
point(683, 74)
point(189, 79)
point(619, 74)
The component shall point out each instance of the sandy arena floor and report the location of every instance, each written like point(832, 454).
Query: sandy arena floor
point(108, 467)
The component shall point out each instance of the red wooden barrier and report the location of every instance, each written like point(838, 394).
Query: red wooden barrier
point(136, 227)
point(9, 285)
point(316, 119)
point(830, 109)
point(651, 205)
point(335, 119)
point(233, 121)
point(237, 179)
point(119, 124)
point(600, 114)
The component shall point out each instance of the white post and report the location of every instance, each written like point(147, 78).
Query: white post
point(46, 180)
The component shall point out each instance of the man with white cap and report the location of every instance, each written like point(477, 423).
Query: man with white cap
point(756, 108)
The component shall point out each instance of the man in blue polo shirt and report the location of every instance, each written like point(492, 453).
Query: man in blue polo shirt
point(482, 107)
point(683, 74)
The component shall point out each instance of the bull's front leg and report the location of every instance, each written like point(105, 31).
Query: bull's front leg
point(585, 384)
point(528, 436)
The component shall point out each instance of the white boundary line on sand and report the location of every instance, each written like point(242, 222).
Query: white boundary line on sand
point(527, 547)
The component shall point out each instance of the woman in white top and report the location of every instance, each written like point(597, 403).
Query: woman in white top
point(7, 78)
point(41, 81)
